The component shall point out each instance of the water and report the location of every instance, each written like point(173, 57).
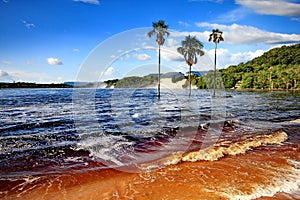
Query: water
point(56, 131)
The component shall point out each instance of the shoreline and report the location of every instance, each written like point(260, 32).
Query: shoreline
point(186, 180)
point(244, 172)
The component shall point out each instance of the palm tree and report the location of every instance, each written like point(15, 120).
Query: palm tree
point(190, 48)
point(215, 37)
point(160, 28)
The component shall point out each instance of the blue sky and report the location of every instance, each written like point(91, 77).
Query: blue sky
point(66, 40)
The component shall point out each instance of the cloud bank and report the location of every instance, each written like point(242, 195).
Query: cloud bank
point(226, 58)
point(272, 7)
point(241, 34)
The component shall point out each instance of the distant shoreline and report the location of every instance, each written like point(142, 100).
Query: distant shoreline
point(20, 85)
point(166, 82)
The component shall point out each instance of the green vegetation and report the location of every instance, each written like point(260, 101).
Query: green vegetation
point(135, 82)
point(111, 83)
point(178, 78)
point(33, 85)
point(278, 68)
point(142, 82)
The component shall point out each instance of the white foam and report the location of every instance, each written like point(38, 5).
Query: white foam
point(217, 152)
point(297, 121)
point(287, 180)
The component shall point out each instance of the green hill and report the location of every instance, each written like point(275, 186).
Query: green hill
point(279, 68)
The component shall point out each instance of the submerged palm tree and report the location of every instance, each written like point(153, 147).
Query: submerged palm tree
point(160, 28)
point(190, 48)
point(215, 37)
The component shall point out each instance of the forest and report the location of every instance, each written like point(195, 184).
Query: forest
point(278, 68)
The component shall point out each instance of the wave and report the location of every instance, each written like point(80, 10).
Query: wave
point(285, 180)
point(219, 150)
point(296, 121)
point(222, 149)
point(283, 176)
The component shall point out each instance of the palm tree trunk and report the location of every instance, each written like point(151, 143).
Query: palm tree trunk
point(190, 82)
point(215, 69)
point(158, 87)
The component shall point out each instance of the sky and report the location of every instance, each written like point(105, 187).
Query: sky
point(53, 41)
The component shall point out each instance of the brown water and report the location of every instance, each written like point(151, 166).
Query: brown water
point(265, 165)
point(255, 156)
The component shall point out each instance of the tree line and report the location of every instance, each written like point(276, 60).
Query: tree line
point(279, 68)
point(33, 85)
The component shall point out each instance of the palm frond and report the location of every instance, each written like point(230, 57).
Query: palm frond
point(160, 28)
point(150, 33)
point(191, 47)
point(216, 36)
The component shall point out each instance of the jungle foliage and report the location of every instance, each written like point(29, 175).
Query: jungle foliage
point(279, 68)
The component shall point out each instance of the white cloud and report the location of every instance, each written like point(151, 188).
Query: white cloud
point(109, 71)
point(184, 23)
point(149, 47)
point(54, 61)
point(75, 50)
point(96, 2)
point(226, 58)
point(22, 76)
point(202, 36)
point(28, 25)
point(233, 15)
point(240, 34)
point(170, 54)
point(10, 75)
point(272, 7)
point(172, 42)
point(296, 19)
point(4, 76)
point(142, 56)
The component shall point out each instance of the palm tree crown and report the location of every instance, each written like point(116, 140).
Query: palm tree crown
point(191, 47)
point(216, 36)
point(160, 28)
